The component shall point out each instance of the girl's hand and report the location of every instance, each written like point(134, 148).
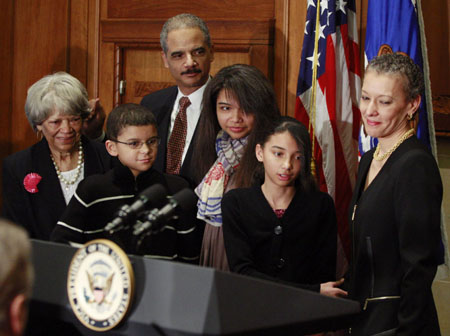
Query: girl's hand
point(332, 289)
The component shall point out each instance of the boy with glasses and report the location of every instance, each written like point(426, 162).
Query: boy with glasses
point(133, 139)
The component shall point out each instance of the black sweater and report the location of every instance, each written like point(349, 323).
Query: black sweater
point(298, 249)
point(97, 200)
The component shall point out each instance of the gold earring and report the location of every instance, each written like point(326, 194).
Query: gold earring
point(410, 117)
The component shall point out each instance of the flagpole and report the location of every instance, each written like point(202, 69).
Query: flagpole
point(426, 75)
point(312, 101)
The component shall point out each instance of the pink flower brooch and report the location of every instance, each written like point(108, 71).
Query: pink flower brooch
point(31, 181)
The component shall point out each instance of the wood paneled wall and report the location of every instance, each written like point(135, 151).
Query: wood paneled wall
point(6, 63)
point(436, 15)
point(40, 47)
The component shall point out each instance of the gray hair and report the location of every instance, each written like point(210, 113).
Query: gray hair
point(401, 65)
point(182, 21)
point(59, 91)
point(16, 271)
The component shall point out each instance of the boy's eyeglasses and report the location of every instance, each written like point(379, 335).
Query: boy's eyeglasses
point(152, 142)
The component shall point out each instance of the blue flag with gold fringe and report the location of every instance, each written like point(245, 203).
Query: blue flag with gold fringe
point(394, 26)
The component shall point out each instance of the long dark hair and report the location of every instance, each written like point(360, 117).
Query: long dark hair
point(305, 180)
point(255, 95)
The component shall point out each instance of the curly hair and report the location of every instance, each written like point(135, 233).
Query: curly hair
point(404, 66)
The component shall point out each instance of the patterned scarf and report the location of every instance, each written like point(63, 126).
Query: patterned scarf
point(211, 189)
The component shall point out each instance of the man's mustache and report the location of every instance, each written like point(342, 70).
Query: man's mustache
point(191, 71)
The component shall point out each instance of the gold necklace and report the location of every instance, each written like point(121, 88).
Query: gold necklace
point(380, 157)
point(78, 169)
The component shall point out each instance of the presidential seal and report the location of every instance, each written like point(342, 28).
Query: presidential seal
point(100, 284)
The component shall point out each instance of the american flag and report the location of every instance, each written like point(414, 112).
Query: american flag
point(328, 94)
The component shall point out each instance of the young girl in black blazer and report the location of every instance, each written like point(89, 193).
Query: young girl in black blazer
point(285, 228)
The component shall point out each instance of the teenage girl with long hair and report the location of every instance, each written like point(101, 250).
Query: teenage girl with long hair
point(238, 103)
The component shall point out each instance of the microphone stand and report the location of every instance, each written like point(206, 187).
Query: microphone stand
point(150, 218)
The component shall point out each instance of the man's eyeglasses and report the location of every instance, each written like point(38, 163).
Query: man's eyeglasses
point(152, 142)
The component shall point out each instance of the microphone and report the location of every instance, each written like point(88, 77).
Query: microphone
point(184, 199)
point(153, 195)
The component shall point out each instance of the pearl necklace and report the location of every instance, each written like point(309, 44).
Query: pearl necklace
point(380, 157)
point(78, 169)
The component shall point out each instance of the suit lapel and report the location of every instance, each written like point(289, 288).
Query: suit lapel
point(48, 204)
point(163, 129)
point(361, 180)
point(92, 163)
point(186, 166)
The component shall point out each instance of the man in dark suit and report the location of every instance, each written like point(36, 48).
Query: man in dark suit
point(187, 53)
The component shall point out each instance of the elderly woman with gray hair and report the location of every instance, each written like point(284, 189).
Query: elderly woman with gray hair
point(39, 181)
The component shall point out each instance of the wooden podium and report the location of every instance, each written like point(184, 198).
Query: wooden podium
point(178, 299)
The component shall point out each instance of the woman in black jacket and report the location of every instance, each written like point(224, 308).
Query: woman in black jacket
point(396, 207)
point(39, 181)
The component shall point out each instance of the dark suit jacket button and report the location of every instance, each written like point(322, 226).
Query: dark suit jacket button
point(280, 263)
point(278, 230)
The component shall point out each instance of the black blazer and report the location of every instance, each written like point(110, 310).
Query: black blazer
point(298, 249)
point(161, 104)
point(395, 230)
point(39, 212)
